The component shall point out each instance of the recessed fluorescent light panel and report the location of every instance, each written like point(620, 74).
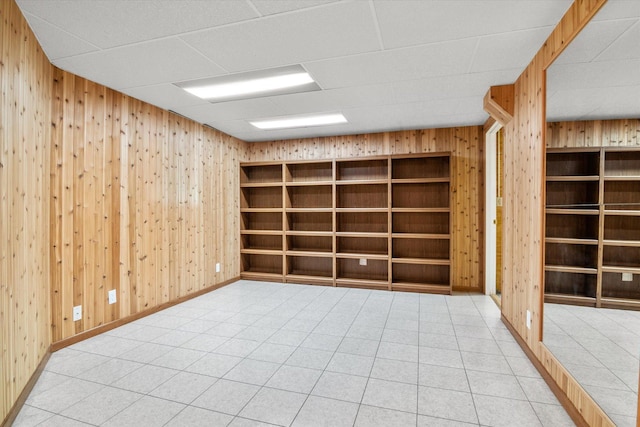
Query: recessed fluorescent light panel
point(254, 84)
point(299, 121)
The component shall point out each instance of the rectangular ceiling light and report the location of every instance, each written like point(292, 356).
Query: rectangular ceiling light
point(254, 84)
point(299, 121)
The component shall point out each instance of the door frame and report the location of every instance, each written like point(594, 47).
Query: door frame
point(491, 193)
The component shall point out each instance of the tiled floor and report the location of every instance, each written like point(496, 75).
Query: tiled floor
point(257, 353)
point(601, 349)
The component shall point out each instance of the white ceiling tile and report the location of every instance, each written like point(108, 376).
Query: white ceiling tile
point(310, 34)
point(334, 99)
point(271, 7)
point(617, 9)
point(592, 40)
point(508, 50)
point(627, 46)
point(232, 110)
point(166, 95)
point(418, 62)
point(409, 23)
point(162, 61)
point(453, 86)
point(108, 23)
point(55, 42)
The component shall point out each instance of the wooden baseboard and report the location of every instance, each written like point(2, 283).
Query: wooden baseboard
point(17, 406)
point(575, 415)
point(112, 325)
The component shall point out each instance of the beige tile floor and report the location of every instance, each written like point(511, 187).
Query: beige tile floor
point(601, 349)
point(254, 354)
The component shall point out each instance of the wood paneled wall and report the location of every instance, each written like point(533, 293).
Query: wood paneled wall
point(594, 133)
point(467, 186)
point(524, 172)
point(143, 201)
point(25, 117)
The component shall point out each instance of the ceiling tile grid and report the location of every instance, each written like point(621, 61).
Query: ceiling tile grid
point(386, 64)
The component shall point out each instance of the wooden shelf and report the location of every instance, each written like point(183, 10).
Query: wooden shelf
point(362, 283)
point(573, 178)
point(307, 183)
point(571, 241)
point(420, 180)
point(622, 178)
point(261, 232)
point(420, 210)
point(363, 235)
point(570, 299)
point(363, 182)
point(259, 275)
point(572, 211)
point(260, 184)
point(620, 269)
point(629, 243)
point(620, 303)
point(420, 287)
point(319, 254)
point(310, 233)
point(621, 212)
point(315, 221)
point(308, 210)
point(261, 251)
point(363, 210)
point(596, 237)
point(368, 256)
point(428, 236)
point(570, 269)
point(426, 261)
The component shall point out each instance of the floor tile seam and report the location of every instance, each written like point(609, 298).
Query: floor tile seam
point(51, 413)
point(475, 407)
point(70, 418)
point(393, 297)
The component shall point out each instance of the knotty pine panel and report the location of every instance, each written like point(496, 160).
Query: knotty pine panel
point(594, 133)
point(523, 207)
point(147, 203)
point(467, 184)
point(25, 117)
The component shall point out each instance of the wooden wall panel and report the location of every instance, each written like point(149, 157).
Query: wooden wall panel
point(145, 202)
point(466, 146)
point(25, 116)
point(594, 133)
point(523, 205)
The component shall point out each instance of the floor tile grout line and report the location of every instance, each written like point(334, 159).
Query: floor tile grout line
point(343, 336)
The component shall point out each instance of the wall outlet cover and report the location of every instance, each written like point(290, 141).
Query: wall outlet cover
point(112, 296)
point(627, 277)
point(217, 267)
point(77, 313)
point(363, 261)
point(528, 319)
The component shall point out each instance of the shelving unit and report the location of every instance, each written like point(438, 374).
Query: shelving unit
point(593, 227)
point(380, 222)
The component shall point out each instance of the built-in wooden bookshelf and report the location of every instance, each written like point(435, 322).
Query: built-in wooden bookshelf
point(592, 246)
point(381, 222)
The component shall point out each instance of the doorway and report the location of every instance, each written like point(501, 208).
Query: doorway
point(493, 218)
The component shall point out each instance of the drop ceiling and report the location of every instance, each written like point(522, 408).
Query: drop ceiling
point(385, 64)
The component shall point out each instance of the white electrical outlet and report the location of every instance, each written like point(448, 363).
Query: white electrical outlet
point(112, 296)
point(528, 319)
point(77, 313)
point(627, 277)
point(217, 267)
point(363, 261)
